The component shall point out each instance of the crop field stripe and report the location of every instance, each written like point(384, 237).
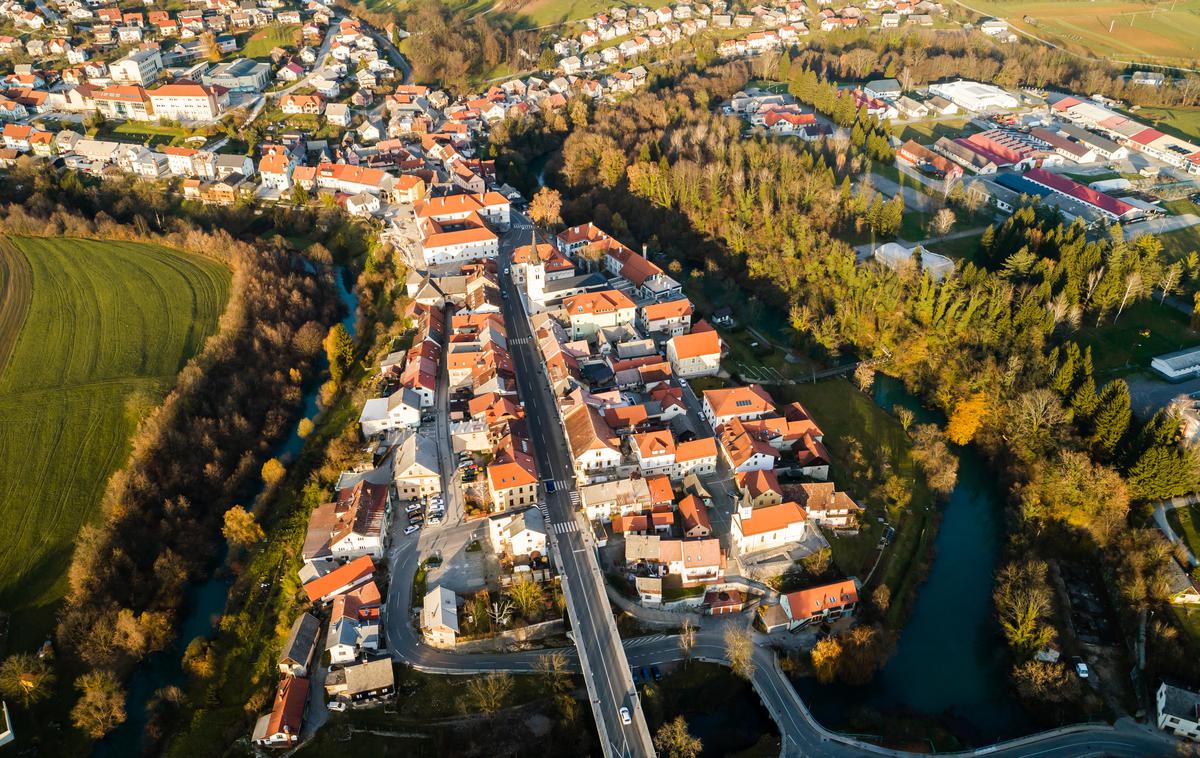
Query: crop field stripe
point(101, 321)
point(16, 290)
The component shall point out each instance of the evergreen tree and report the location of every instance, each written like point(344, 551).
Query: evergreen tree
point(1064, 379)
point(1084, 401)
point(1111, 420)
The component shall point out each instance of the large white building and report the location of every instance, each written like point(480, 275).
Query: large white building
point(187, 101)
point(974, 96)
point(139, 67)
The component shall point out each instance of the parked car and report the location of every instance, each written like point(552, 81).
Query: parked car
point(1081, 668)
point(435, 519)
point(625, 717)
point(656, 673)
point(412, 528)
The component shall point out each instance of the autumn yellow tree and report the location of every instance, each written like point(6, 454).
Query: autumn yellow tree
point(272, 472)
point(825, 656)
point(966, 418)
point(240, 528)
point(546, 207)
point(102, 705)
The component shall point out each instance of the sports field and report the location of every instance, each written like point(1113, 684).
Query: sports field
point(1121, 29)
point(92, 335)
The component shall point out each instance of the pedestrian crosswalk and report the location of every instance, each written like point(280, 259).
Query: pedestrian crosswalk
point(566, 528)
point(518, 341)
point(640, 641)
point(575, 498)
point(544, 509)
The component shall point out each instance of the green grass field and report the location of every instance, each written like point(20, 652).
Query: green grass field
point(98, 331)
point(1145, 329)
point(1120, 29)
point(1182, 122)
point(263, 41)
point(1186, 524)
point(1179, 243)
point(843, 412)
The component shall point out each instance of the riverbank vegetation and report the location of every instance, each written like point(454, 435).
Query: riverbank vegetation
point(193, 457)
point(97, 333)
point(266, 595)
point(992, 347)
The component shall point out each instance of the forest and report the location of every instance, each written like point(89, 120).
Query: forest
point(994, 346)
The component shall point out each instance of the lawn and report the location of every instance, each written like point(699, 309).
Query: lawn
point(151, 135)
point(1179, 243)
point(1145, 329)
point(101, 329)
point(1185, 522)
point(263, 41)
point(962, 248)
point(843, 413)
point(930, 130)
point(1164, 32)
point(1182, 122)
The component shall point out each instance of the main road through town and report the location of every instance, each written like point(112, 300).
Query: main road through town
point(605, 668)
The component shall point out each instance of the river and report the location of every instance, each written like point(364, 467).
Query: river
point(949, 662)
point(204, 602)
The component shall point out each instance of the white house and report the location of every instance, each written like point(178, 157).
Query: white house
point(439, 617)
point(1178, 711)
point(400, 410)
point(518, 532)
point(767, 528)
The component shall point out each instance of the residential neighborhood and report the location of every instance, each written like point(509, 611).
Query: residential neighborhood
point(634, 381)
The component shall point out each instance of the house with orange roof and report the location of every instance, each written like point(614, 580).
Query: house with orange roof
point(124, 102)
point(669, 317)
point(745, 403)
point(758, 489)
point(647, 522)
point(275, 170)
point(698, 456)
point(16, 137)
point(595, 449)
point(693, 516)
point(744, 449)
point(662, 494)
point(696, 354)
point(654, 452)
point(769, 528)
point(341, 580)
point(512, 475)
point(310, 105)
point(352, 180)
point(409, 189)
point(589, 312)
point(281, 727)
point(828, 602)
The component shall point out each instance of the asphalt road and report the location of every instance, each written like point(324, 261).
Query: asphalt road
point(606, 671)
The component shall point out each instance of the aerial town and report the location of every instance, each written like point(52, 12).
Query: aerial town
point(836, 364)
